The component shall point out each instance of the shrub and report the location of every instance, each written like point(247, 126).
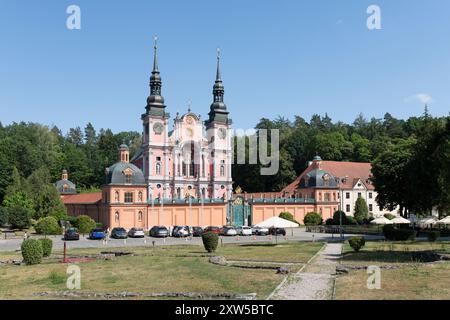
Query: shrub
point(351, 221)
point(85, 224)
point(330, 222)
point(210, 241)
point(357, 243)
point(19, 217)
point(337, 218)
point(47, 246)
point(288, 216)
point(433, 235)
point(397, 234)
point(389, 216)
point(312, 219)
point(3, 216)
point(32, 251)
point(47, 226)
point(361, 210)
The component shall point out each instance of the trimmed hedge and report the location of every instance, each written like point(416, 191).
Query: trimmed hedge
point(357, 243)
point(313, 219)
point(47, 246)
point(48, 226)
point(396, 234)
point(32, 251)
point(210, 241)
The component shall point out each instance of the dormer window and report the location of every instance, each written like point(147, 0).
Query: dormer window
point(128, 178)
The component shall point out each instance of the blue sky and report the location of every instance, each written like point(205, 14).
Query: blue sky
point(278, 58)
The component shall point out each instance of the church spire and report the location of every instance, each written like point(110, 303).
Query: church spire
point(218, 110)
point(155, 101)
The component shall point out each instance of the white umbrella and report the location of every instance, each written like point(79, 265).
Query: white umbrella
point(277, 222)
point(446, 220)
point(381, 220)
point(400, 220)
point(428, 220)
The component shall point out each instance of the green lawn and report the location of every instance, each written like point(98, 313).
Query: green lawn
point(156, 270)
point(412, 280)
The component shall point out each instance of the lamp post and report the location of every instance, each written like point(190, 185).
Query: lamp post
point(340, 225)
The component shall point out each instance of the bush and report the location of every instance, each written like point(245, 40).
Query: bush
point(433, 235)
point(351, 221)
point(330, 222)
point(47, 226)
point(210, 241)
point(32, 251)
point(389, 216)
point(357, 243)
point(361, 210)
point(337, 218)
point(288, 216)
point(313, 219)
point(396, 234)
point(85, 224)
point(19, 217)
point(47, 246)
point(3, 216)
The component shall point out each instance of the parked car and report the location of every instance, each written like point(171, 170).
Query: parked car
point(71, 234)
point(159, 232)
point(244, 231)
point(136, 233)
point(97, 234)
point(216, 230)
point(277, 231)
point(229, 231)
point(261, 231)
point(197, 231)
point(181, 232)
point(119, 233)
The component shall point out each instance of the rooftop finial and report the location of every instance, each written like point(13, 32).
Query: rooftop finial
point(218, 77)
point(189, 106)
point(155, 58)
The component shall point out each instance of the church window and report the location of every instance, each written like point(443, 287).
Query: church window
point(128, 178)
point(128, 197)
point(158, 186)
point(222, 168)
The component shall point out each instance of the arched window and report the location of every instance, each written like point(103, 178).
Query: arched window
point(65, 188)
point(128, 178)
point(179, 193)
point(117, 217)
point(116, 196)
point(158, 168)
point(222, 168)
point(140, 215)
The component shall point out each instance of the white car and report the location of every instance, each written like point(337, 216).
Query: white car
point(229, 231)
point(136, 233)
point(244, 231)
point(261, 231)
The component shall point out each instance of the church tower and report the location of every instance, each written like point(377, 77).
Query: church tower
point(155, 141)
point(218, 132)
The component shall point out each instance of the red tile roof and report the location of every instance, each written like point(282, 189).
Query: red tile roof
point(348, 172)
point(82, 198)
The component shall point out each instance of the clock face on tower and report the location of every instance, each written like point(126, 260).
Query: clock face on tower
point(158, 128)
point(222, 133)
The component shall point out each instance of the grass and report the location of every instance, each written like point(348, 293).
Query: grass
point(160, 269)
point(412, 279)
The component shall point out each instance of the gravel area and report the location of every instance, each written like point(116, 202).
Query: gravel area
point(315, 281)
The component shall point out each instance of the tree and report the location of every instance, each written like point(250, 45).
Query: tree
point(312, 219)
point(48, 226)
point(48, 203)
point(361, 210)
point(3, 216)
point(19, 217)
point(85, 224)
point(19, 199)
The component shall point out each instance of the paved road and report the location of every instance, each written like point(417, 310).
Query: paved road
point(298, 235)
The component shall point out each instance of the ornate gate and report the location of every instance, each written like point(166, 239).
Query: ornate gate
point(240, 212)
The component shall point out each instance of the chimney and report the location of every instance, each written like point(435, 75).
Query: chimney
point(64, 175)
point(124, 154)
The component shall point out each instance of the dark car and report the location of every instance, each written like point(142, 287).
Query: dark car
point(181, 232)
point(71, 234)
point(97, 234)
point(159, 232)
point(277, 231)
point(119, 233)
point(216, 230)
point(197, 231)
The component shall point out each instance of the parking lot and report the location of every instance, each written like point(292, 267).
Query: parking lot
point(84, 242)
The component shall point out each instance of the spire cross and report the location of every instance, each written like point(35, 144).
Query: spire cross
point(189, 105)
point(155, 40)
